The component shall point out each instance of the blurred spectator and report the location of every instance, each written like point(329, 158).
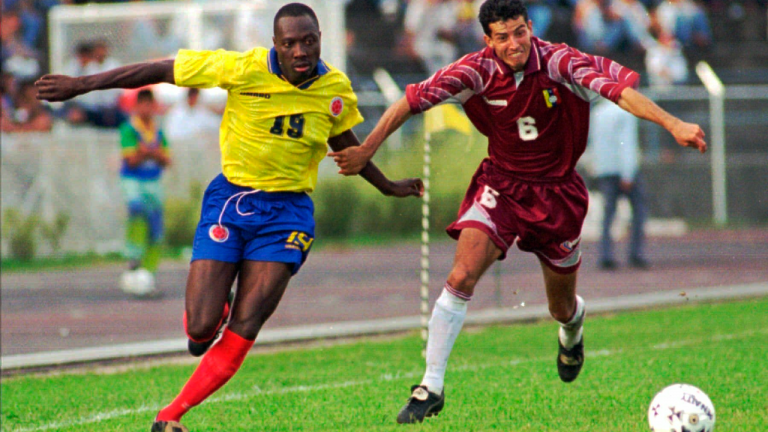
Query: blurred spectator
point(469, 32)
point(17, 57)
point(540, 13)
point(613, 141)
point(636, 20)
point(685, 20)
point(189, 118)
point(7, 93)
point(24, 113)
point(429, 32)
point(605, 25)
point(78, 66)
point(99, 108)
point(31, 23)
point(665, 62)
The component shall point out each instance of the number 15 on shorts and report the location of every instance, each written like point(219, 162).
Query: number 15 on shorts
point(299, 240)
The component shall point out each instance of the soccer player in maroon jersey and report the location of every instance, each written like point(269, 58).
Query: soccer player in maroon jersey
point(531, 98)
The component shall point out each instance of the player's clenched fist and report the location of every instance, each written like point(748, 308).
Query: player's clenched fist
point(57, 88)
point(689, 135)
point(405, 188)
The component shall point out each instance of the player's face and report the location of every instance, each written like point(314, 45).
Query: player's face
point(297, 42)
point(511, 41)
point(144, 109)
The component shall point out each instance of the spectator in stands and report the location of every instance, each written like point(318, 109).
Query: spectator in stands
point(605, 25)
point(469, 32)
point(540, 12)
point(597, 27)
point(189, 118)
point(637, 22)
point(101, 108)
point(429, 32)
point(665, 62)
point(74, 111)
point(7, 94)
point(31, 23)
point(684, 20)
point(17, 58)
point(25, 113)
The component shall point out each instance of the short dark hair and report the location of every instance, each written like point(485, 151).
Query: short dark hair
point(294, 10)
point(145, 95)
point(83, 48)
point(501, 10)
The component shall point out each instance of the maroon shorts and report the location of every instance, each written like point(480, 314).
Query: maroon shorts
point(543, 216)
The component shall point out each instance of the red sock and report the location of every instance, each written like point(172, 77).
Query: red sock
point(224, 316)
point(216, 368)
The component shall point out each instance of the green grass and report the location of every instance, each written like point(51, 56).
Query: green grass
point(68, 261)
point(499, 378)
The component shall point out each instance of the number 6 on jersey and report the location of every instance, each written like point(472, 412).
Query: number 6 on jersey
point(527, 128)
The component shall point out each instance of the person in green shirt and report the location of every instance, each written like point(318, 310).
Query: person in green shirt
point(145, 156)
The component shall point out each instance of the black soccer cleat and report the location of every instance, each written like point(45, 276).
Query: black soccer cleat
point(199, 348)
point(570, 361)
point(422, 403)
point(168, 426)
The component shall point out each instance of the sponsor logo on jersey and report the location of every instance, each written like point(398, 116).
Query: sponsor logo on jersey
point(337, 105)
point(258, 95)
point(569, 246)
point(299, 241)
point(551, 97)
point(495, 102)
point(218, 233)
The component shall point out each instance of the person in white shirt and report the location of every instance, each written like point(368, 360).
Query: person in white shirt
point(429, 28)
point(665, 62)
point(613, 141)
point(188, 118)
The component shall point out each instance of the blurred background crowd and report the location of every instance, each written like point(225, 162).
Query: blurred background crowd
point(412, 38)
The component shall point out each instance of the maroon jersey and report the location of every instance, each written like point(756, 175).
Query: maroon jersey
point(537, 120)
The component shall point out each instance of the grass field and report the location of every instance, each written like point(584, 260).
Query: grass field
point(499, 378)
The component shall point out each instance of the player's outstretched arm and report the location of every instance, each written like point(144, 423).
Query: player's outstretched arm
point(352, 159)
point(56, 88)
point(686, 134)
point(373, 175)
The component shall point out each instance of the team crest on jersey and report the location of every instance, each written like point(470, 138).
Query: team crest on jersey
point(337, 105)
point(218, 233)
point(551, 97)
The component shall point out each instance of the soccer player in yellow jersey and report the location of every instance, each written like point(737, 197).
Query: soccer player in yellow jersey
point(284, 104)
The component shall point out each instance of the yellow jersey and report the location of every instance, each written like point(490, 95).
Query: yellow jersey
point(273, 134)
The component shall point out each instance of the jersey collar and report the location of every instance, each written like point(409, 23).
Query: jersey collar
point(533, 64)
point(274, 67)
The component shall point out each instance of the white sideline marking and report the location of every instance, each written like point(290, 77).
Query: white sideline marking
point(383, 326)
point(108, 415)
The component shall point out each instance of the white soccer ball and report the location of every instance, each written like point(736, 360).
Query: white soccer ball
point(681, 408)
point(139, 282)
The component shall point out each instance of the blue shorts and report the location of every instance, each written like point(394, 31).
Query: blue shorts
point(238, 223)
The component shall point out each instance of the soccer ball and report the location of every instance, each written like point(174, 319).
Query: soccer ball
point(139, 282)
point(681, 408)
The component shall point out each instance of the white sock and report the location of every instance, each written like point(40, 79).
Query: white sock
point(444, 326)
point(570, 332)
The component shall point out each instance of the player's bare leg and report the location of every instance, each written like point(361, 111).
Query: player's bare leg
point(475, 252)
point(259, 290)
point(568, 309)
point(260, 287)
point(206, 302)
